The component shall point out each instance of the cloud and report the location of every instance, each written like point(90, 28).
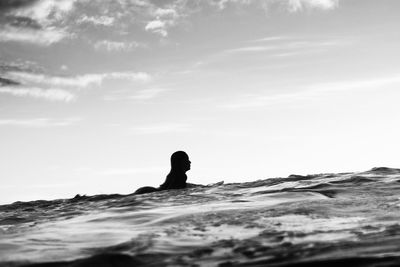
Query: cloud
point(148, 93)
point(12, 84)
point(157, 26)
point(4, 82)
point(289, 46)
point(161, 128)
point(46, 12)
point(270, 39)
point(166, 12)
point(39, 122)
point(7, 5)
point(22, 22)
point(45, 37)
point(298, 5)
point(355, 85)
point(19, 65)
point(47, 94)
point(77, 81)
point(167, 16)
point(263, 100)
point(36, 22)
point(99, 20)
point(116, 46)
point(53, 21)
point(140, 95)
point(25, 79)
point(291, 5)
point(222, 4)
point(131, 76)
point(311, 92)
point(252, 49)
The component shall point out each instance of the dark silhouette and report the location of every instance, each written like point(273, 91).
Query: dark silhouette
point(176, 179)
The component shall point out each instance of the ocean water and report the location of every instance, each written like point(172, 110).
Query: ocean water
point(344, 219)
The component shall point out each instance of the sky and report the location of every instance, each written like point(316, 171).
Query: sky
point(96, 95)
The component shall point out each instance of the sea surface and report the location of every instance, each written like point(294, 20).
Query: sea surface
point(343, 219)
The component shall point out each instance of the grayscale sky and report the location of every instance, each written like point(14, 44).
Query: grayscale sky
point(96, 95)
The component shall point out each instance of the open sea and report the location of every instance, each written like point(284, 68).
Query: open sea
point(343, 219)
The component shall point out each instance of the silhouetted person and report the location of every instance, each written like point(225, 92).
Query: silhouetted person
point(176, 179)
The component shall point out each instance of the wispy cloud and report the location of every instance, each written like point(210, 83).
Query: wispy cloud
point(161, 128)
point(310, 92)
point(165, 17)
point(131, 76)
point(108, 45)
point(36, 22)
point(26, 80)
point(139, 95)
point(5, 82)
point(168, 16)
point(252, 49)
point(98, 20)
point(77, 81)
point(157, 26)
point(374, 83)
point(43, 37)
point(275, 46)
point(288, 44)
point(44, 11)
point(166, 12)
point(39, 122)
point(14, 86)
point(262, 100)
point(298, 5)
point(270, 39)
point(291, 5)
point(19, 65)
point(47, 94)
point(46, 22)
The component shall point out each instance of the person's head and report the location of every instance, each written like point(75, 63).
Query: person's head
point(180, 161)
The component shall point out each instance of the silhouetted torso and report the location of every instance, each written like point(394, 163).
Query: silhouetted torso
point(176, 179)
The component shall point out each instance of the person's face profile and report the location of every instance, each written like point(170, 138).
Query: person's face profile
point(186, 163)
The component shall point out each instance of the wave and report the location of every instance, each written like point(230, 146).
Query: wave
point(313, 220)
